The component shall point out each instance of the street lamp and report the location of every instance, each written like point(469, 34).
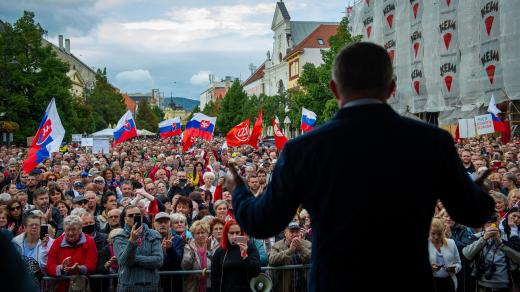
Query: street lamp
point(287, 123)
point(171, 96)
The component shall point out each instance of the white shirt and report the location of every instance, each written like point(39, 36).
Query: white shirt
point(362, 101)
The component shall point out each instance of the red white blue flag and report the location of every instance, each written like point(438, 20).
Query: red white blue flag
point(170, 127)
point(48, 138)
point(200, 126)
point(308, 120)
point(125, 128)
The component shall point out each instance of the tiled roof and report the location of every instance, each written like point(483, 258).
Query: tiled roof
point(323, 32)
point(301, 29)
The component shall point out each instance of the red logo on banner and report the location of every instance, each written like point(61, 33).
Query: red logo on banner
point(489, 23)
point(417, 86)
point(391, 53)
point(415, 9)
point(368, 2)
point(369, 31)
point(204, 124)
point(448, 80)
point(416, 48)
point(491, 73)
point(390, 20)
point(448, 2)
point(447, 40)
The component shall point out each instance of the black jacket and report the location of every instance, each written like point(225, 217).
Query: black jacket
point(173, 255)
point(357, 176)
point(235, 272)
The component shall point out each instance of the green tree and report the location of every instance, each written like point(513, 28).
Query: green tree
point(31, 75)
point(158, 113)
point(314, 93)
point(107, 104)
point(145, 117)
point(233, 105)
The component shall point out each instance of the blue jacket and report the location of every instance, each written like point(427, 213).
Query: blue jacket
point(356, 175)
point(138, 262)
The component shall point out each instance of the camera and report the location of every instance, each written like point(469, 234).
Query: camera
point(490, 271)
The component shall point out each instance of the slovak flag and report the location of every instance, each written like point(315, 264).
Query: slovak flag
point(170, 127)
point(125, 129)
point(200, 126)
point(494, 111)
point(308, 120)
point(47, 139)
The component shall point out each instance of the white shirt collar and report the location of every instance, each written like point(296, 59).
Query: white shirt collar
point(362, 101)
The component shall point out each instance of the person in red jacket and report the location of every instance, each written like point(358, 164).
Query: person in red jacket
point(72, 253)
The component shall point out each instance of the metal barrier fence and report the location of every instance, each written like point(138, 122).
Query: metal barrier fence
point(289, 278)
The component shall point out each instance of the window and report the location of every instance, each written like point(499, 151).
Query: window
point(280, 58)
point(321, 42)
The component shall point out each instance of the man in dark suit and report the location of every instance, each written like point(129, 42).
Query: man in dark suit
point(368, 234)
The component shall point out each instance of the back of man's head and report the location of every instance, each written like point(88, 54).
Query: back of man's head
point(363, 70)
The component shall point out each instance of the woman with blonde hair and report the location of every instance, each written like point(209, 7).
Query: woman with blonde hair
point(444, 258)
point(513, 197)
point(197, 256)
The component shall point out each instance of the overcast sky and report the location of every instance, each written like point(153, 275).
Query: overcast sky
point(147, 44)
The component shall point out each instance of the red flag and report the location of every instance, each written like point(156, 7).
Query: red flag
point(187, 140)
point(279, 137)
point(506, 132)
point(257, 130)
point(239, 135)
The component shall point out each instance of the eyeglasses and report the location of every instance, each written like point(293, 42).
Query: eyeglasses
point(15, 208)
point(98, 181)
point(115, 216)
point(132, 215)
point(51, 179)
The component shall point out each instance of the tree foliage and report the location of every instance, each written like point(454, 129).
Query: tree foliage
point(106, 103)
point(145, 117)
point(31, 75)
point(314, 92)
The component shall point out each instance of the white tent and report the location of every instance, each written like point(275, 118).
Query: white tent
point(144, 132)
point(109, 133)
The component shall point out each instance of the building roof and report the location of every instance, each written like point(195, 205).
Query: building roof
point(129, 103)
point(301, 29)
point(70, 54)
point(323, 32)
point(258, 74)
point(283, 10)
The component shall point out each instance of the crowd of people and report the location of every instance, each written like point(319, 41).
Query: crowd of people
point(486, 258)
point(145, 207)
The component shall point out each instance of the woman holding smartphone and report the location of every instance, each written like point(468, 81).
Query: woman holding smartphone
point(444, 258)
point(236, 257)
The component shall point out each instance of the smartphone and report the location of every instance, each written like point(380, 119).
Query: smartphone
point(44, 230)
point(238, 239)
point(138, 220)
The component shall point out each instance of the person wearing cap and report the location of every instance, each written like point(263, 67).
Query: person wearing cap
point(86, 178)
point(80, 202)
point(172, 245)
point(292, 250)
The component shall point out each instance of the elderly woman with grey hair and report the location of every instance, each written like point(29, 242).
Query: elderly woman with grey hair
point(179, 224)
point(72, 253)
point(139, 253)
point(221, 208)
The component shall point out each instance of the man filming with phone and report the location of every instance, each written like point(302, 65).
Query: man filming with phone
point(139, 253)
point(181, 185)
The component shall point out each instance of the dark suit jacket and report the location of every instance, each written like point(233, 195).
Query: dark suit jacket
point(370, 206)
